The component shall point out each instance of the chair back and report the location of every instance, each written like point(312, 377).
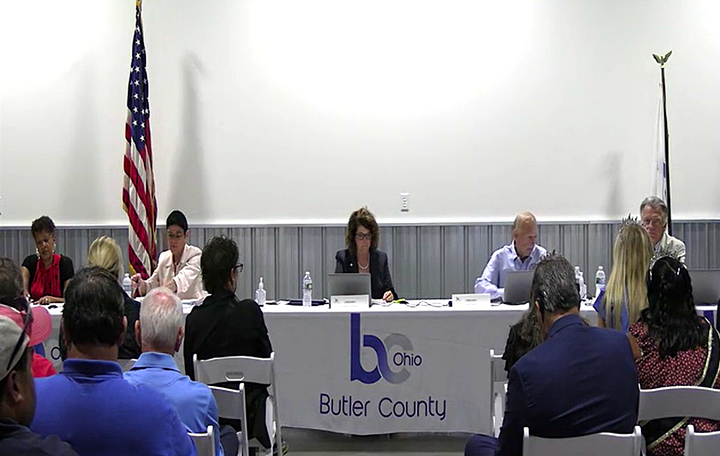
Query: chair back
point(601, 444)
point(676, 401)
point(498, 379)
point(704, 444)
point(204, 441)
point(235, 369)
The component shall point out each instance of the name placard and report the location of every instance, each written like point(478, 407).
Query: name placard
point(470, 300)
point(350, 302)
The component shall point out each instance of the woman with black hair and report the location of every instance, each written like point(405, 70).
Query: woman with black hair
point(45, 273)
point(677, 348)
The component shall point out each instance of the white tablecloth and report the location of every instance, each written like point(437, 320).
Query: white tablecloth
point(437, 377)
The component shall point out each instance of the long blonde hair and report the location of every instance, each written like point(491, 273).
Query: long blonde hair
point(631, 257)
point(105, 253)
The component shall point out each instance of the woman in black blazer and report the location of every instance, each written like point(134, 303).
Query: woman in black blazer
point(362, 255)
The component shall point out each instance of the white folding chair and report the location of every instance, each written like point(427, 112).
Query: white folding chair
point(703, 444)
point(127, 364)
point(245, 369)
point(601, 444)
point(671, 401)
point(498, 388)
point(204, 441)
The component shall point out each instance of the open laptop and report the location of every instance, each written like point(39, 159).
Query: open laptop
point(705, 286)
point(517, 287)
point(350, 284)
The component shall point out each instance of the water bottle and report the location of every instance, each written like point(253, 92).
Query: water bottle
point(307, 290)
point(583, 287)
point(599, 281)
point(260, 293)
point(577, 278)
point(127, 284)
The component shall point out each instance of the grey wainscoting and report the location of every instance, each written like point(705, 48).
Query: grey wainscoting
point(426, 261)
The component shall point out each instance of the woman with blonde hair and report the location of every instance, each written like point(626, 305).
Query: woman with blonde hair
point(619, 305)
point(105, 253)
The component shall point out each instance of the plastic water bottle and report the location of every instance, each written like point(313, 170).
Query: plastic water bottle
point(127, 284)
point(583, 287)
point(577, 278)
point(307, 290)
point(260, 293)
point(599, 280)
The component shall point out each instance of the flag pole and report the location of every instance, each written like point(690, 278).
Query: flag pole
point(661, 60)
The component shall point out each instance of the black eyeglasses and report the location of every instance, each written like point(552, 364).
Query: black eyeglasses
point(26, 313)
point(238, 267)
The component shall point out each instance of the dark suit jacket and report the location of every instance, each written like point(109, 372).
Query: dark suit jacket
point(380, 279)
point(581, 380)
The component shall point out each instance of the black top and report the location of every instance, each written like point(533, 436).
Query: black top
point(380, 280)
point(130, 348)
point(66, 270)
point(18, 439)
point(225, 326)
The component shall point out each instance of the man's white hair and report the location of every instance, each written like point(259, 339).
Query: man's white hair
point(161, 316)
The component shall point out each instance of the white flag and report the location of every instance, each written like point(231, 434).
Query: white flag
point(659, 168)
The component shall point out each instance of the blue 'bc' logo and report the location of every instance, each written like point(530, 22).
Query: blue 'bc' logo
point(358, 372)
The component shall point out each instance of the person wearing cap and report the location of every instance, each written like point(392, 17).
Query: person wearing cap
point(17, 388)
point(11, 294)
point(178, 267)
point(89, 404)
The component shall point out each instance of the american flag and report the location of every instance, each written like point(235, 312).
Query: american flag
point(139, 184)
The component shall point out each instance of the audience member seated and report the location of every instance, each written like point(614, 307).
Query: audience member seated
point(11, 294)
point(160, 331)
point(521, 255)
point(45, 274)
point(105, 253)
point(626, 293)
point(654, 217)
point(89, 404)
point(523, 337)
point(678, 347)
point(178, 267)
point(580, 380)
point(223, 325)
point(17, 388)
point(362, 255)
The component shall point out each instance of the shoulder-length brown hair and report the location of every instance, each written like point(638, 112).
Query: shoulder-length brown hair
point(363, 217)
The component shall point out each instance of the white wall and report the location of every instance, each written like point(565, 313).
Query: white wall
point(282, 111)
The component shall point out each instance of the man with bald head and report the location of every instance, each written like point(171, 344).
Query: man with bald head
point(520, 255)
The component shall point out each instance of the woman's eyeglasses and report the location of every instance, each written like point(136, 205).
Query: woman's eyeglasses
point(363, 236)
point(238, 267)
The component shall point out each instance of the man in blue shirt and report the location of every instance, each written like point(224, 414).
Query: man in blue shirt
point(89, 404)
point(160, 331)
point(581, 380)
point(521, 255)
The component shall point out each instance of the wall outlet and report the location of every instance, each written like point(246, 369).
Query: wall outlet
point(405, 202)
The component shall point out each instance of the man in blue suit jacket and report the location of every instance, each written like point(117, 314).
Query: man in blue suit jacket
point(581, 380)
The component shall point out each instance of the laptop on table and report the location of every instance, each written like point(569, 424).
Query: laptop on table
point(517, 287)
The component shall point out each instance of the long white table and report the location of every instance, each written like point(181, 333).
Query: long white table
point(384, 369)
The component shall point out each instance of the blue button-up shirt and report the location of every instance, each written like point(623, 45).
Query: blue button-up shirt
point(193, 400)
point(93, 408)
point(501, 262)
